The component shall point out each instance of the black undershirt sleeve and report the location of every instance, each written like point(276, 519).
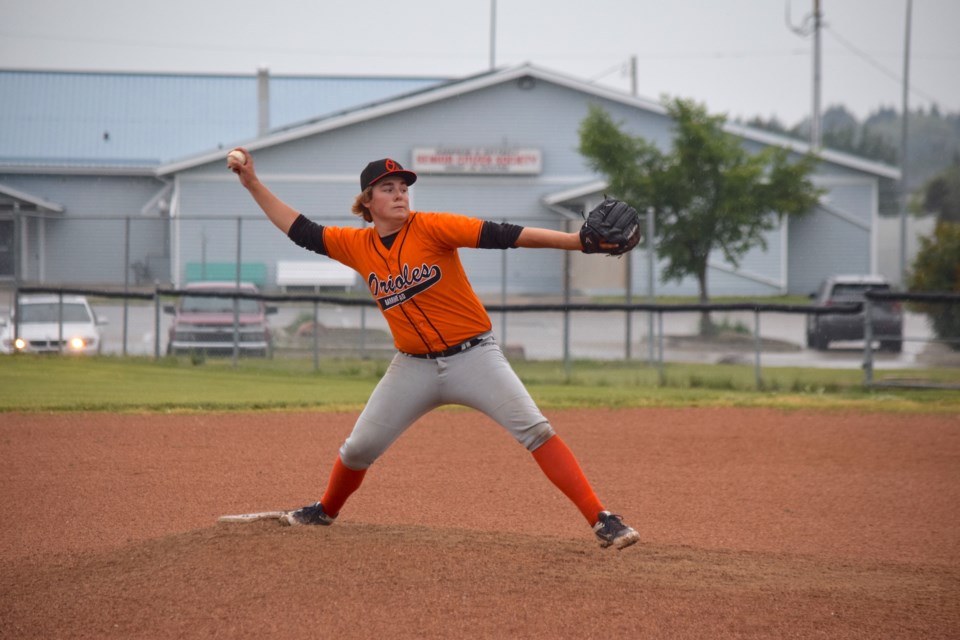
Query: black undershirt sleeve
point(498, 235)
point(307, 234)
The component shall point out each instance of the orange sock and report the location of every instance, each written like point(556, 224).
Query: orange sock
point(562, 469)
point(343, 482)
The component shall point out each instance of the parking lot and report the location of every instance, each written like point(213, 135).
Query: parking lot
point(592, 335)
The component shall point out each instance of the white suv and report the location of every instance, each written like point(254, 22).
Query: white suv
point(52, 324)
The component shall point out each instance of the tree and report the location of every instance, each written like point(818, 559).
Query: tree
point(937, 269)
point(773, 124)
point(707, 193)
point(933, 142)
point(941, 195)
point(840, 128)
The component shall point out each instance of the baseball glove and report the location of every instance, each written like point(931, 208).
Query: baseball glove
point(613, 227)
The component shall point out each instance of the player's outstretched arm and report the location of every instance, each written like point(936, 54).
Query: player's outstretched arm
point(537, 238)
point(280, 213)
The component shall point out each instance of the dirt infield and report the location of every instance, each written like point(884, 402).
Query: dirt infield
point(755, 523)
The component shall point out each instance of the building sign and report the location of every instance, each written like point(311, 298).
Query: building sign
point(479, 160)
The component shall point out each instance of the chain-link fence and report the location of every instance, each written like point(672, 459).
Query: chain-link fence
point(943, 312)
point(321, 326)
point(131, 253)
point(135, 268)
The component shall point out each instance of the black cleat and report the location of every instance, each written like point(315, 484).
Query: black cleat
point(310, 514)
point(611, 531)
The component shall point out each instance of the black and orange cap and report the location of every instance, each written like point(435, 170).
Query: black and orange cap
point(380, 169)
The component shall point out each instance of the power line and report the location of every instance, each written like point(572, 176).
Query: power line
point(893, 75)
point(227, 48)
point(606, 72)
point(695, 55)
point(650, 55)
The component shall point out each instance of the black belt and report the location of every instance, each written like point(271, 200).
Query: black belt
point(452, 351)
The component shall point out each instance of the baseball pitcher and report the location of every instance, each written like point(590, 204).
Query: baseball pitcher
point(446, 351)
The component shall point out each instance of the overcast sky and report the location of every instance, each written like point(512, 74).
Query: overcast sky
point(738, 57)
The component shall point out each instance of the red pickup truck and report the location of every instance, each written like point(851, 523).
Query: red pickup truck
point(208, 322)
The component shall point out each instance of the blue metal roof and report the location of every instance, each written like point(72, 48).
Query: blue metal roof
point(129, 119)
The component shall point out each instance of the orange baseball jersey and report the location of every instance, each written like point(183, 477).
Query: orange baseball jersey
point(419, 282)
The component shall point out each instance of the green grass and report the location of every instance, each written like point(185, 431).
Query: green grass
point(29, 383)
point(133, 384)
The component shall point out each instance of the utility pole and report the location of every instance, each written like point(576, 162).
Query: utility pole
point(633, 76)
point(493, 34)
point(905, 117)
point(812, 25)
point(816, 135)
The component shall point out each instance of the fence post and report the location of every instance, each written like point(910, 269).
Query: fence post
point(868, 342)
point(16, 316)
point(756, 348)
point(60, 321)
point(126, 279)
point(661, 375)
point(363, 332)
point(503, 298)
point(316, 339)
point(628, 338)
point(236, 300)
point(156, 322)
point(18, 255)
point(651, 277)
point(566, 309)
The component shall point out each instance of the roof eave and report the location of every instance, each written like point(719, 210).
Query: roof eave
point(79, 170)
point(36, 201)
point(421, 98)
point(488, 79)
point(801, 147)
point(559, 197)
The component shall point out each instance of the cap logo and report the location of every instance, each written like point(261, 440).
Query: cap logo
point(379, 169)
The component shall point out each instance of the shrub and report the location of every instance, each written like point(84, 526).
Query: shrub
point(937, 269)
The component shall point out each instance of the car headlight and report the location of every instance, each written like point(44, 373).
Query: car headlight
point(79, 343)
point(20, 344)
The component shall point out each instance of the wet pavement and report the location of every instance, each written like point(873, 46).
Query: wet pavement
point(590, 335)
point(132, 329)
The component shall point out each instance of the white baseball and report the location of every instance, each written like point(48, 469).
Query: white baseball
point(237, 156)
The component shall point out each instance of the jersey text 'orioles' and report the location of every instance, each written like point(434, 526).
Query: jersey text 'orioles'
point(418, 282)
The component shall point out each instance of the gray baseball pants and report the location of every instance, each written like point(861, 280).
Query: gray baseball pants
point(480, 377)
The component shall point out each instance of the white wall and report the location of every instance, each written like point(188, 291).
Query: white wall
point(889, 243)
